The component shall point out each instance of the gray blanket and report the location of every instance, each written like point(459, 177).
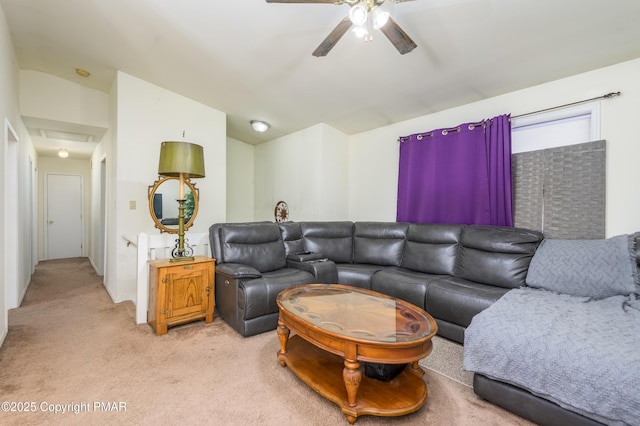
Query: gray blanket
point(582, 354)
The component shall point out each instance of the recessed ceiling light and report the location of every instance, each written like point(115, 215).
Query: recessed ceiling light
point(260, 126)
point(82, 73)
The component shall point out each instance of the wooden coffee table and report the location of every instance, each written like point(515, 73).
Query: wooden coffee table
point(336, 327)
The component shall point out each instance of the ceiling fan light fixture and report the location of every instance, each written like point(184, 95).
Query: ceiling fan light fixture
point(366, 16)
point(380, 18)
point(360, 31)
point(260, 126)
point(358, 14)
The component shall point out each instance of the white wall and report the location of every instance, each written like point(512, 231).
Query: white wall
point(97, 206)
point(240, 186)
point(308, 170)
point(17, 162)
point(26, 227)
point(146, 116)
point(373, 155)
point(8, 108)
point(53, 98)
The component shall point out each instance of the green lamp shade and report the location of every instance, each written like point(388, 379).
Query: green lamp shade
point(181, 158)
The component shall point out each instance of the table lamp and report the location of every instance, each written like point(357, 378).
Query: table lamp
point(183, 160)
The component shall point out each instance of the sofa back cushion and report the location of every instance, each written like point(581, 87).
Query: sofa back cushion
point(432, 248)
point(496, 255)
point(379, 243)
point(586, 268)
point(333, 240)
point(255, 244)
point(292, 237)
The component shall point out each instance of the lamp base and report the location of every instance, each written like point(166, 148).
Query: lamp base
point(182, 250)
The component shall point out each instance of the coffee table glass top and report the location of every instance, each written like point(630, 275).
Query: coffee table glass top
point(357, 313)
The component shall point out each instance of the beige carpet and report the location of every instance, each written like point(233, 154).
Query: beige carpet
point(69, 347)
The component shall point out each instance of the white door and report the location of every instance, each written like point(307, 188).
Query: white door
point(64, 221)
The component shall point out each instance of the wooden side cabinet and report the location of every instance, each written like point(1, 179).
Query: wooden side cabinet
point(180, 292)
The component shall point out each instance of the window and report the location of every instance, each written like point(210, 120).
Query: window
point(568, 126)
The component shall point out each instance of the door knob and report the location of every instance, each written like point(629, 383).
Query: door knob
point(50, 222)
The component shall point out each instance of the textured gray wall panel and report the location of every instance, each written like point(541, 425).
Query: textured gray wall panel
point(561, 191)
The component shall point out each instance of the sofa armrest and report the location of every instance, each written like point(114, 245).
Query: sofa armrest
point(238, 270)
point(324, 271)
point(305, 256)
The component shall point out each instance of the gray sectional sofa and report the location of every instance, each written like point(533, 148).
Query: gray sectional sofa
point(476, 282)
point(451, 271)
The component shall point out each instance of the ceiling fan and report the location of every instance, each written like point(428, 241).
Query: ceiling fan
point(366, 15)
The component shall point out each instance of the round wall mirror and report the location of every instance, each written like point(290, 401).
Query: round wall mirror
point(163, 204)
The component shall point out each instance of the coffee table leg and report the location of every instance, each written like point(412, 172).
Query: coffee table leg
point(283, 336)
point(416, 369)
point(352, 375)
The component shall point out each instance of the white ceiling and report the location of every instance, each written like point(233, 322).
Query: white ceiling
point(252, 60)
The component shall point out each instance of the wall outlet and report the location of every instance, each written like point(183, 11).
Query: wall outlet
point(132, 205)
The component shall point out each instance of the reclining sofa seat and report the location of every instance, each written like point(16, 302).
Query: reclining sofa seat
point(251, 270)
point(430, 254)
point(491, 261)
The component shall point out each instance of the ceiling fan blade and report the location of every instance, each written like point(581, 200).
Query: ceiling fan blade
point(331, 40)
point(398, 37)
point(307, 1)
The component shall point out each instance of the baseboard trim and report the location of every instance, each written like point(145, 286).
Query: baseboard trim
point(3, 336)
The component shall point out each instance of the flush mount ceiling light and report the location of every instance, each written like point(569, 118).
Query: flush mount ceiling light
point(63, 153)
point(260, 126)
point(82, 73)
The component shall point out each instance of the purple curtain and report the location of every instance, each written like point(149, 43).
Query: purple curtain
point(458, 175)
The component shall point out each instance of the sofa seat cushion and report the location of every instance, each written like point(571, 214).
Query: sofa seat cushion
point(457, 300)
point(578, 353)
point(404, 284)
point(358, 275)
point(257, 296)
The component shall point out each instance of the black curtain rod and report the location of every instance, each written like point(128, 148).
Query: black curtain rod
point(607, 96)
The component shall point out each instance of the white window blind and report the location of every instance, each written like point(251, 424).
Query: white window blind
point(569, 126)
